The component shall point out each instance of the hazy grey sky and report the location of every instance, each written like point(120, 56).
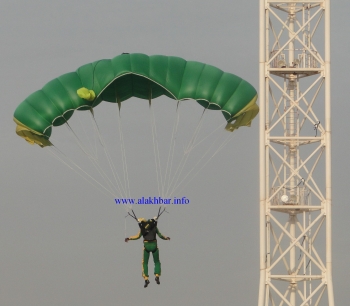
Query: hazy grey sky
point(62, 242)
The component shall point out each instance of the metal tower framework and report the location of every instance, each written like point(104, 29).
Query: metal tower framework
point(295, 154)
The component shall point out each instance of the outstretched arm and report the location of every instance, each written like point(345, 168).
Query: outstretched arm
point(161, 236)
point(134, 237)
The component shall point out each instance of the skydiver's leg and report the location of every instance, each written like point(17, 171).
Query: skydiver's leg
point(157, 265)
point(145, 264)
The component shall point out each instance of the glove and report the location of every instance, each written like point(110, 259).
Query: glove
point(167, 238)
point(127, 239)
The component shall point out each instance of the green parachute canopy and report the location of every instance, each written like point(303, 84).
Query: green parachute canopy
point(134, 75)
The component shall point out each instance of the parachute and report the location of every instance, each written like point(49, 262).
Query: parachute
point(134, 75)
point(145, 77)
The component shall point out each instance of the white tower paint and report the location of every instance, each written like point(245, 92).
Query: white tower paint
point(295, 154)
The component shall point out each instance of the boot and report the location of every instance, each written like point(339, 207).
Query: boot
point(146, 283)
point(157, 279)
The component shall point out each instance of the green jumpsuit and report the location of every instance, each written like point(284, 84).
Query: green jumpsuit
point(150, 245)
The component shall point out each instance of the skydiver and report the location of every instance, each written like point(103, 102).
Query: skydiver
point(149, 230)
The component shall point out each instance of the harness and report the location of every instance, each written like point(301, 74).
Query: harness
point(148, 227)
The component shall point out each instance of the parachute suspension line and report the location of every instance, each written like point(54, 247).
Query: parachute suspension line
point(211, 133)
point(93, 161)
point(79, 142)
point(123, 152)
point(226, 141)
point(125, 226)
point(160, 211)
point(172, 147)
point(202, 157)
point(131, 215)
point(79, 171)
point(110, 161)
point(196, 132)
point(156, 148)
point(194, 146)
point(187, 152)
point(122, 147)
point(93, 149)
point(125, 168)
point(95, 138)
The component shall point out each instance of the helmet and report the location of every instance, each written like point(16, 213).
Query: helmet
point(146, 225)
